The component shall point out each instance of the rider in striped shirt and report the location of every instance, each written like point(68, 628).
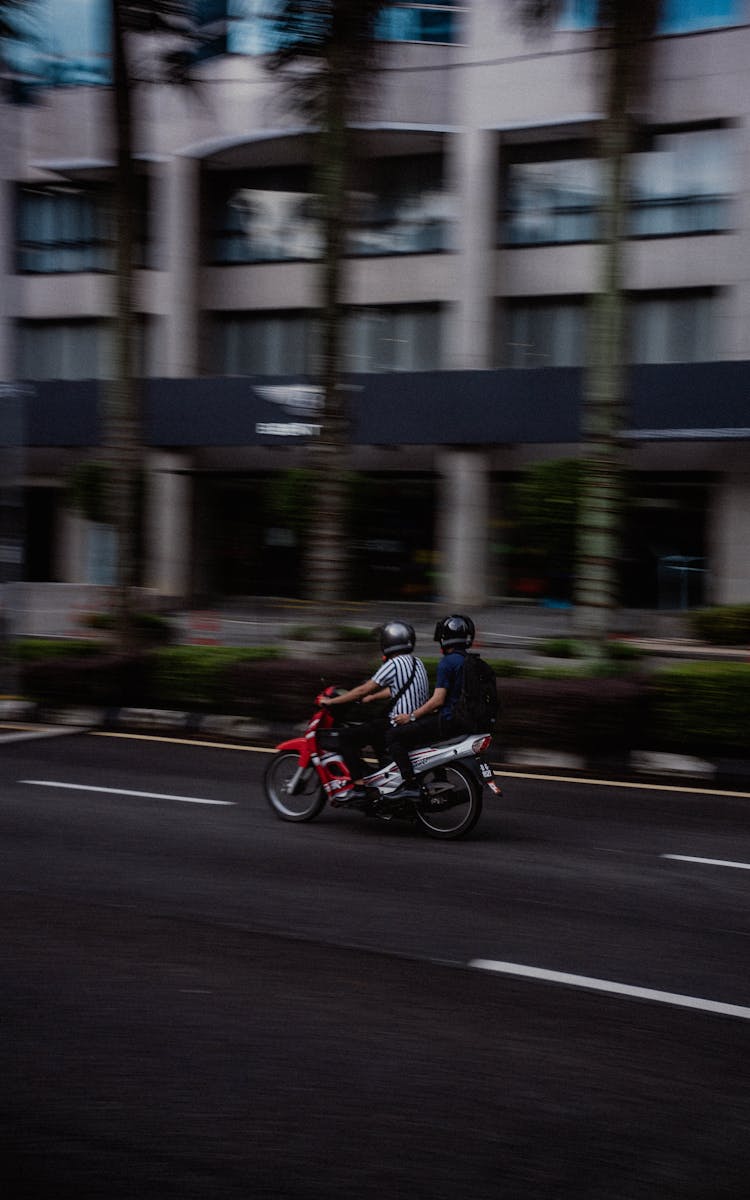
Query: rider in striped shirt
point(402, 679)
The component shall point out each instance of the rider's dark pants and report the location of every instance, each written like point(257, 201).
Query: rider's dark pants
point(353, 738)
point(400, 739)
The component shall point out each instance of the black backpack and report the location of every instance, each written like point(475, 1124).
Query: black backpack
point(477, 706)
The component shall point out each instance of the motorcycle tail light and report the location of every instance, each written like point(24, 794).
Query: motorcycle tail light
point(481, 744)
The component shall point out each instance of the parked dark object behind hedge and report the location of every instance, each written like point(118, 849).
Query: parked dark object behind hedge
point(591, 716)
point(106, 680)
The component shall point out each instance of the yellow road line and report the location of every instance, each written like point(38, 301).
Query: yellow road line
point(181, 741)
point(613, 783)
point(620, 783)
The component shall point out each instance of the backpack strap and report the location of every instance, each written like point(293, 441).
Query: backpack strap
point(404, 688)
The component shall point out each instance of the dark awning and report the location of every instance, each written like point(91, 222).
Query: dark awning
point(703, 401)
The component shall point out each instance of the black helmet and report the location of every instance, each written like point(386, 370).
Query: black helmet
point(455, 632)
point(396, 637)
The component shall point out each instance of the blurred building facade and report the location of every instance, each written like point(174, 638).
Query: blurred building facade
point(472, 253)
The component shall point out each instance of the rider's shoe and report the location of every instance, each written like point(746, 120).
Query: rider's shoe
point(353, 795)
point(409, 790)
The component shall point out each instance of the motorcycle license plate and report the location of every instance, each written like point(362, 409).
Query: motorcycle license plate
point(486, 770)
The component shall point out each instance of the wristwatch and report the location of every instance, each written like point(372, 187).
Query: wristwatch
point(412, 717)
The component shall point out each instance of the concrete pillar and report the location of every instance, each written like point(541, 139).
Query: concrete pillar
point(463, 516)
point(473, 167)
point(70, 547)
point(177, 222)
point(729, 536)
point(169, 495)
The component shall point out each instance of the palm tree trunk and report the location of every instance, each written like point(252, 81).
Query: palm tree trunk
point(326, 564)
point(604, 389)
point(122, 420)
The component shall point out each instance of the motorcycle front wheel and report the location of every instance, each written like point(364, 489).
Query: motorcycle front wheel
point(293, 796)
point(453, 802)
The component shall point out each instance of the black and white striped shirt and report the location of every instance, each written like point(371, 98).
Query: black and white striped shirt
point(394, 673)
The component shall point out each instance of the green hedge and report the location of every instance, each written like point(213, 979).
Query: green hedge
point(696, 708)
point(728, 625)
point(193, 678)
point(27, 650)
point(702, 708)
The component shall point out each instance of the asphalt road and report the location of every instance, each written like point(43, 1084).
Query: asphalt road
point(201, 1001)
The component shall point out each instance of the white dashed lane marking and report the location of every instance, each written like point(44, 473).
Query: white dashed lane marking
point(82, 787)
point(708, 862)
point(616, 989)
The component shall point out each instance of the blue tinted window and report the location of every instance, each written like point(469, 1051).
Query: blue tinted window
point(679, 16)
point(418, 23)
point(252, 29)
point(578, 14)
point(63, 42)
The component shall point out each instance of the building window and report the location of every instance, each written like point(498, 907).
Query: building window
point(673, 327)
point(402, 208)
point(542, 333)
point(67, 229)
point(266, 216)
point(683, 16)
point(262, 344)
point(393, 338)
point(62, 229)
point(681, 184)
point(79, 349)
point(61, 43)
point(437, 22)
point(552, 201)
point(63, 349)
point(252, 26)
point(678, 16)
point(398, 207)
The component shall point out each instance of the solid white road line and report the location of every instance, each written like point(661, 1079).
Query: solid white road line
point(616, 989)
point(83, 787)
point(708, 862)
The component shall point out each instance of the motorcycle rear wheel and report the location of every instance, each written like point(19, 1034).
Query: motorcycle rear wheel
point(463, 806)
point(308, 798)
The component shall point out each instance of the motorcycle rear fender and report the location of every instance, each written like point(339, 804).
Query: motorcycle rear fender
point(440, 754)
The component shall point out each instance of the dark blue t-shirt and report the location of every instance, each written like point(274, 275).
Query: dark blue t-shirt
point(450, 673)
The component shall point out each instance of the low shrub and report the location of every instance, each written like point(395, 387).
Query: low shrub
point(505, 668)
point(726, 625)
point(27, 650)
point(151, 628)
point(559, 648)
point(702, 708)
point(193, 678)
point(284, 691)
point(624, 652)
point(344, 633)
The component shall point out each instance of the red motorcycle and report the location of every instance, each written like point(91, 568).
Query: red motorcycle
point(307, 771)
